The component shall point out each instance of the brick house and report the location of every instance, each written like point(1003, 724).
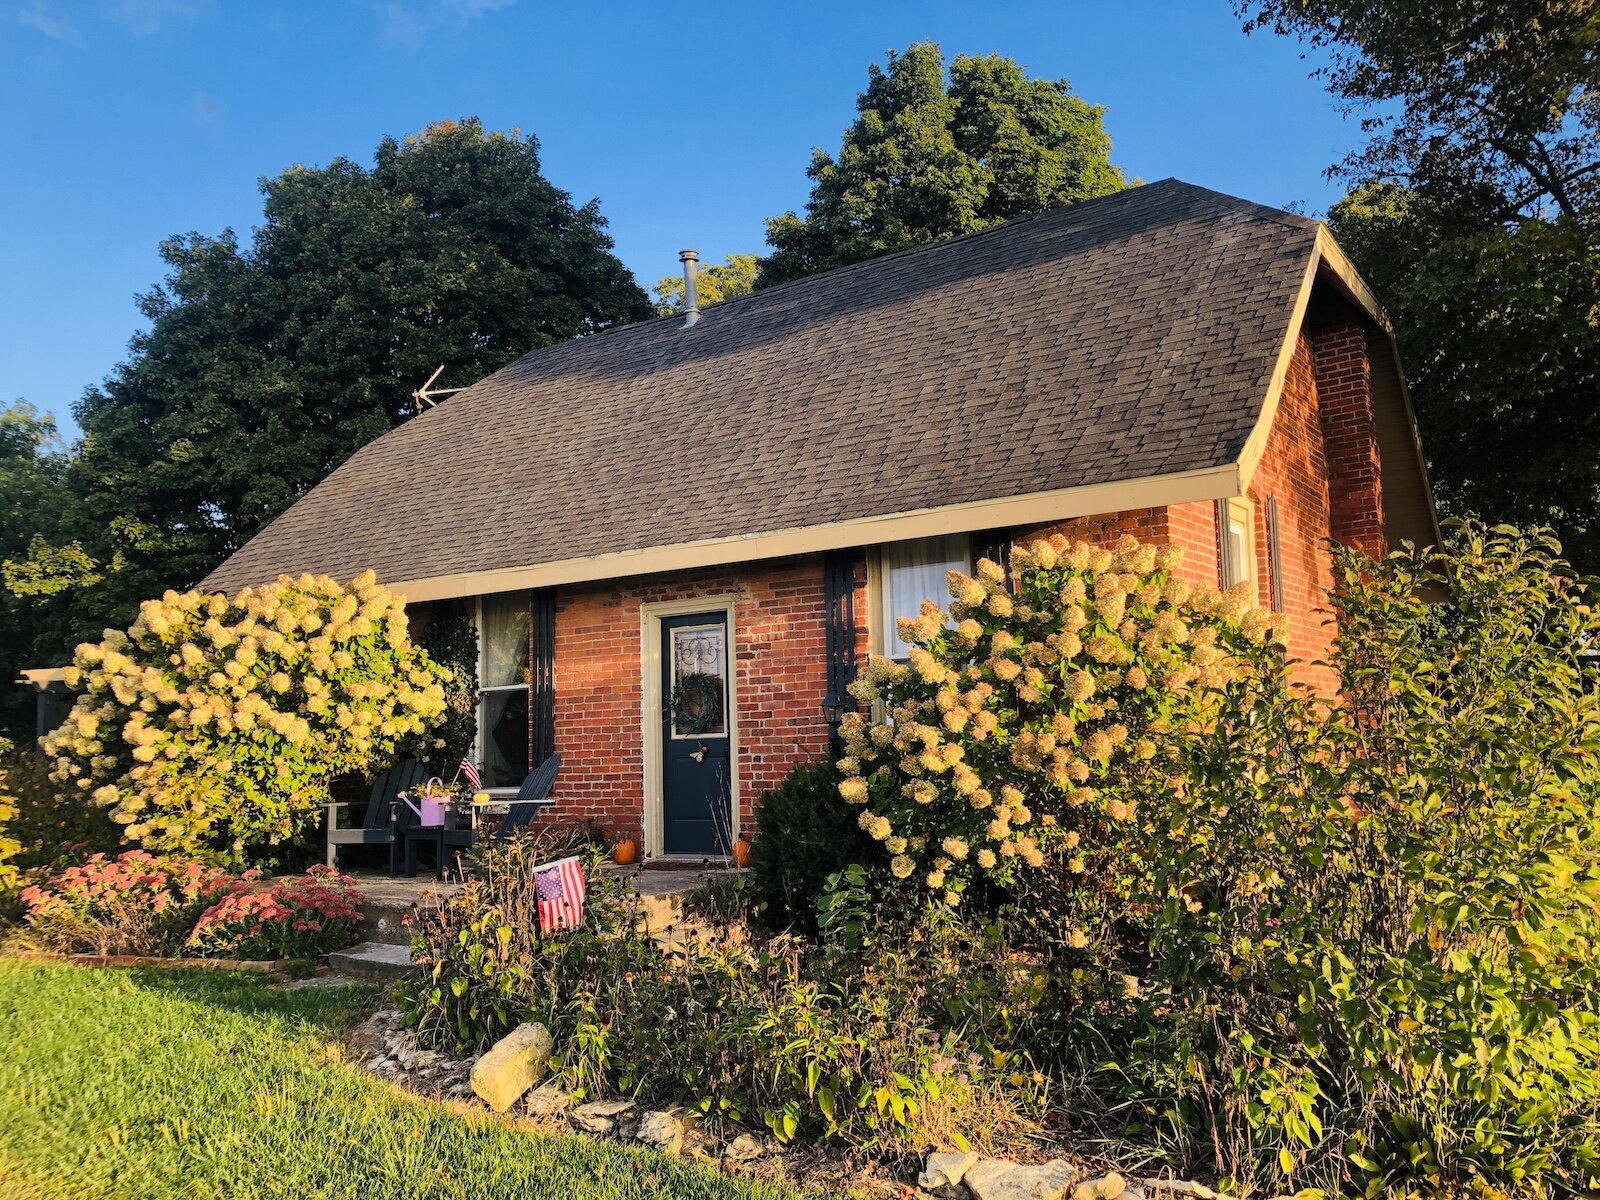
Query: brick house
point(678, 538)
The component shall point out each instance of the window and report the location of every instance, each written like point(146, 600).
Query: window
point(1236, 536)
point(503, 711)
point(908, 574)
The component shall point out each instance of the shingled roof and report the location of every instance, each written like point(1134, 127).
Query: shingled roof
point(1122, 339)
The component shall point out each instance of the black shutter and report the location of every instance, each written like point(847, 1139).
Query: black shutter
point(1224, 558)
point(839, 600)
point(1274, 554)
point(542, 675)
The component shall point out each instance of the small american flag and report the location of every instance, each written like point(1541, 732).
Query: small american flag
point(470, 770)
point(561, 890)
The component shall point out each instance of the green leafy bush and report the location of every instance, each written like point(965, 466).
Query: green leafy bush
point(216, 724)
point(804, 834)
point(856, 1048)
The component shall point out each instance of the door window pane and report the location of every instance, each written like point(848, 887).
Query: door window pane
point(913, 572)
point(505, 640)
point(505, 738)
point(699, 684)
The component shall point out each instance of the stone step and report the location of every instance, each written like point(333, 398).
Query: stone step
point(385, 923)
point(379, 962)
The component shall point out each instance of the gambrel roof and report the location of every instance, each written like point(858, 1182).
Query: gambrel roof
point(1121, 352)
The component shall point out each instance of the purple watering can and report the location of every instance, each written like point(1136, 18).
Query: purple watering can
point(429, 808)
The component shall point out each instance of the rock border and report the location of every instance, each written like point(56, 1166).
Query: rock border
point(392, 1053)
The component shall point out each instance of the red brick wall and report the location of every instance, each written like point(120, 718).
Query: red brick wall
point(1293, 471)
point(777, 649)
point(1349, 431)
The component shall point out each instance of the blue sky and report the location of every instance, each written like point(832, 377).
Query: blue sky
point(130, 120)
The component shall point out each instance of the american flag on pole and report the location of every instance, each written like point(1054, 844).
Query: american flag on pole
point(470, 770)
point(560, 889)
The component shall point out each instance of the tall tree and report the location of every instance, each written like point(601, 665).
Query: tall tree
point(32, 500)
point(1491, 106)
point(1475, 213)
point(264, 367)
point(932, 156)
point(719, 281)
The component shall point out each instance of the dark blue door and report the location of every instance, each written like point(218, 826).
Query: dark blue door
point(697, 816)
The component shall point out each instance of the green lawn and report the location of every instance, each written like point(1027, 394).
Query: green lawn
point(200, 1084)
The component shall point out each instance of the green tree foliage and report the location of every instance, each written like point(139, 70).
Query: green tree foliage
point(267, 364)
point(1499, 329)
point(720, 281)
point(32, 499)
point(1474, 213)
point(1491, 107)
point(933, 156)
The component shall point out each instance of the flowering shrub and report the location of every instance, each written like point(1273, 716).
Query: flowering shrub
point(297, 917)
point(874, 1050)
point(216, 724)
point(1036, 715)
point(132, 904)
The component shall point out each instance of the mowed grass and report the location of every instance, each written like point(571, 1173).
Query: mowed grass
point(202, 1084)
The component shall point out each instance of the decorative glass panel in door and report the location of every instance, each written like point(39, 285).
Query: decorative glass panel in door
point(697, 814)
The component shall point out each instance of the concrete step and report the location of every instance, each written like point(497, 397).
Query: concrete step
point(384, 923)
point(378, 962)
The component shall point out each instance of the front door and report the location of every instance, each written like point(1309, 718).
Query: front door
point(697, 815)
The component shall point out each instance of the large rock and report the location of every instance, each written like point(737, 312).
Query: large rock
point(513, 1065)
point(601, 1116)
point(992, 1179)
point(661, 1131)
point(944, 1171)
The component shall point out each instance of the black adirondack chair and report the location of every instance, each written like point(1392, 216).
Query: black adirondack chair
point(533, 795)
point(381, 825)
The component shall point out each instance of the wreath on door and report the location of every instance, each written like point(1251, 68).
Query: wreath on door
point(697, 703)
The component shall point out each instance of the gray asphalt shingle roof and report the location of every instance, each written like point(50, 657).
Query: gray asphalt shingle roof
point(1122, 338)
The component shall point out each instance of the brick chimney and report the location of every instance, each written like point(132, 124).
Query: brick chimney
point(1340, 350)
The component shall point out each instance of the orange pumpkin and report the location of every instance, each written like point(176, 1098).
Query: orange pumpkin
point(741, 853)
point(625, 852)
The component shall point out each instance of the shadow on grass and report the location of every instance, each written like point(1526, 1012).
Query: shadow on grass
point(325, 1010)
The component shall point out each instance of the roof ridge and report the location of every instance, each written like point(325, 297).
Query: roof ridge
point(1265, 212)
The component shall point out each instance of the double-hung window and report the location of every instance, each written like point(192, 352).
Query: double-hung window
point(1237, 541)
point(503, 677)
point(909, 573)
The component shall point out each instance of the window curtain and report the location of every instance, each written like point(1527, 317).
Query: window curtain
point(914, 572)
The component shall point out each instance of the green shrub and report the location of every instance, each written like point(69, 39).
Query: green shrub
point(216, 724)
point(804, 834)
point(54, 827)
point(861, 1049)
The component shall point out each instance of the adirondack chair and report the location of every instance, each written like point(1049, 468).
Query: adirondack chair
point(533, 795)
point(381, 825)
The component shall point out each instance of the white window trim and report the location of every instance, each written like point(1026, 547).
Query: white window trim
point(650, 702)
point(878, 628)
point(1240, 510)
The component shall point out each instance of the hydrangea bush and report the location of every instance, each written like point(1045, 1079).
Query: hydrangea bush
point(294, 917)
point(1035, 714)
point(216, 723)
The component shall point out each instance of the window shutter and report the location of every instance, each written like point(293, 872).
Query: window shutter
point(542, 676)
point(1274, 554)
point(1224, 558)
point(839, 619)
